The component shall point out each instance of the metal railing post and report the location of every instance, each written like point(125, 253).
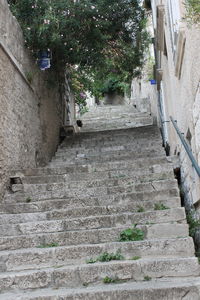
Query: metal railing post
point(186, 146)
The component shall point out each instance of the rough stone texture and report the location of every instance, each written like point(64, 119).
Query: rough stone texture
point(29, 112)
point(61, 216)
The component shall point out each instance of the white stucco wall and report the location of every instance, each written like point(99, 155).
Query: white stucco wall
point(181, 94)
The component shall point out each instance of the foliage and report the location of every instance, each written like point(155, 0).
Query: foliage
point(140, 209)
point(78, 86)
point(192, 11)
point(112, 85)
point(194, 223)
point(135, 257)
point(108, 280)
point(102, 38)
point(147, 278)
point(150, 67)
point(160, 206)
point(48, 245)
point(28, 199)
point(76, 31)
point(105, 257)
point(131, 234)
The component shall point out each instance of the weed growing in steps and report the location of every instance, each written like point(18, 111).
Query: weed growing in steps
point(193, 222)
point(135, 257)
point(131, 234)
point(85, 284)
point(147, 278)
point(51, 245)
point(28, 199)
point(119, 176)
point(160, 206)
point(140, 209)
point(105, 257)
point(108, 280)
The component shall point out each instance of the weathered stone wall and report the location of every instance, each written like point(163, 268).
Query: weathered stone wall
point(29, 104)
point(181, 96)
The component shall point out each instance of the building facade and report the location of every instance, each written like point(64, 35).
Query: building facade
point(177, 45)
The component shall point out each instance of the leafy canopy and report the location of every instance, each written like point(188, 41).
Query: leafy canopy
point(192, 11)
point(82, 32)
point(100, 41)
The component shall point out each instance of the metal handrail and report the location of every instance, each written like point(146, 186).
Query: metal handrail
point(186, 146)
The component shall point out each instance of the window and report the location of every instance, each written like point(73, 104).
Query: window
point(174, 17)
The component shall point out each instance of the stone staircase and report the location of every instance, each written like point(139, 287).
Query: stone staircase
point(61, 223)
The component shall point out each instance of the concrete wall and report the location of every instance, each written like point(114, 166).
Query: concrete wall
point(181, 94)
point(29, 112)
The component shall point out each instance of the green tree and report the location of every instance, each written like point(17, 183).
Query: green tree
point(100, 37)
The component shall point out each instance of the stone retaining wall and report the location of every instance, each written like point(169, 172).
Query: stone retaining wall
point(29, 104)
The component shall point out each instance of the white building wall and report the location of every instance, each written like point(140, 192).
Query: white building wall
point(180, 80)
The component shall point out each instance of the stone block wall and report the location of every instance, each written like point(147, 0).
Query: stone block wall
point(30, 109)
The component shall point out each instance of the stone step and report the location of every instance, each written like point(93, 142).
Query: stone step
point(93, 236)
point(111, 108)
point(120, 182)
point(111, 139)
point(93, 116)
point(83, 159)
point(99, 195)
point(30, 259)
point(72, 203)
point(74, 276)
point(102, 148)
point(100, 176)
point(74, 170)
point(94, 222)
point(52, 213)
point(115, 118)
point(117, 124)
point(132, 151)
point(101, 145)
point(155, 289)
point(148, 132)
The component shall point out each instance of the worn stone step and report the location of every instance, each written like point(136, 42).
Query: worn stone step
point(105, 117)
point(93, 236)
point(155, 289)
point(74, 170)
point(73, 203)
point(74, 276)
point(117, 121)
point(121, 155)
point(117, 124)
point(150, 132)
point(18, 216)
point(119, 183)
point(111, 108)
point(26, 259)
point(100, 149)
point(78, 143)
point(100, 175)
point(94, 222)
point(100, 195)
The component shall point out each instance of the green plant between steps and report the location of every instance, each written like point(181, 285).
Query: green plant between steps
point(106, 257)
point(160, 206)
point(194, 223)
point(147, 278)
point(135, 258)
point(28, 199)
point(131, 234)
point(108, 280)
point(51, 245)
point(140, 209)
